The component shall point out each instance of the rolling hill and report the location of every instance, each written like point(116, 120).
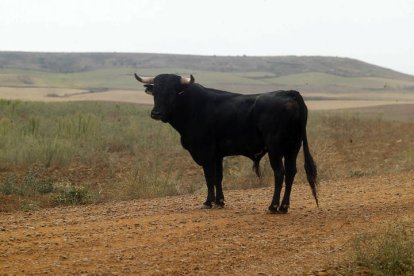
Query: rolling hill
point(237, 73)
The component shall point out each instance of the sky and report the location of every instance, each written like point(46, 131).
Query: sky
point(375, 31)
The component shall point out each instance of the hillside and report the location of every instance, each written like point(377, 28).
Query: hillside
point(277, 65)
point(112, 71)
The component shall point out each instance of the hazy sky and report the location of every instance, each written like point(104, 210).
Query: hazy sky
point(376, 31)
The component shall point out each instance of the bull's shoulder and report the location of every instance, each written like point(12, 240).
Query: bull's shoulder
point(284, 94)
point(280, 96)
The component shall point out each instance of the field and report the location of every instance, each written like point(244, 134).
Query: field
point(89, 184)
point(99, 154)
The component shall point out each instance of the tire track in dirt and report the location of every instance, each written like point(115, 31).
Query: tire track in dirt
point(173, 236)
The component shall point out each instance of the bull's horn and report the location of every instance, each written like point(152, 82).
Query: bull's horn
point(187, 80)
point(148, 80)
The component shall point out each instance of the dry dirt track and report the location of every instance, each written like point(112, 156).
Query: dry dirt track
point(172, 236)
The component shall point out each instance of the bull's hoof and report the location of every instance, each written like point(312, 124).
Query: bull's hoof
point(283, 209)
point(273, 209)
point(219, 204)
point(206, 205)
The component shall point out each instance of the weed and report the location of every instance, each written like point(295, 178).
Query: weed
point(29, 206)
point(8, 187)
point(72, 195)
point(29, 186)
point(45, 186)
point(357, 173)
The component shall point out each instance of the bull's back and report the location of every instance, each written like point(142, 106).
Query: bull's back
point(242, 123)
point(279, 113)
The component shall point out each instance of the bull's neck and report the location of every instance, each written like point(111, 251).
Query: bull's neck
point(189, 109)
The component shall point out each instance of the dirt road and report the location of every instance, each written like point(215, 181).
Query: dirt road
point(173, 236)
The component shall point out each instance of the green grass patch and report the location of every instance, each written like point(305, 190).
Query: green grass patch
point(387, 253)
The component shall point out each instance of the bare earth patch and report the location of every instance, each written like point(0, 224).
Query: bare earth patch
point(66, 95)
point(173, 236)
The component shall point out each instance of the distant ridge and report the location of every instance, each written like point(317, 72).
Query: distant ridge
point(277, 65)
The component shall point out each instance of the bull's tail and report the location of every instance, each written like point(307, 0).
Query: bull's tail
point(310, 166)
point(256, 167)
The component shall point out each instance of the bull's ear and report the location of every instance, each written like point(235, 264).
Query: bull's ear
point(149, 89)
point(189, 80)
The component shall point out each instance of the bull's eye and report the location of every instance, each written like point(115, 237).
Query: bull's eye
point(149, 88)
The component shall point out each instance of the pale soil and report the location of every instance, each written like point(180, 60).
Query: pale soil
point(73, 95)
point(173, 236)
point(336, 100)
point(342, 104)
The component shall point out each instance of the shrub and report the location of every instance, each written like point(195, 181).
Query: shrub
point(72, 195)
point(8, 187)
point(28, 186)
point(45, 186)
point(31, 184)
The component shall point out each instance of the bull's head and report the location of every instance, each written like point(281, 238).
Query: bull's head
point(165, 89)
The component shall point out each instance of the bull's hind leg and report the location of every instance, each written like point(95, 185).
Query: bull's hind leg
point(279, 173)
point(290, 172)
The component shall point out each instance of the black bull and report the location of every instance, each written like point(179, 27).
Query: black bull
point(214, 124)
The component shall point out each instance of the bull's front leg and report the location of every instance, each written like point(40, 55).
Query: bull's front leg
point(213, 173)
point(209, 174)
point(219, 178)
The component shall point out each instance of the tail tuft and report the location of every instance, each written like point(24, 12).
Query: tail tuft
point(311, 175)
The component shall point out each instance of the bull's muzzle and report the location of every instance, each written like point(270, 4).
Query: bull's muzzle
point(156, 115)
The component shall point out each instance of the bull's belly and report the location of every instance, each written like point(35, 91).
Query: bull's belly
point(249, 148)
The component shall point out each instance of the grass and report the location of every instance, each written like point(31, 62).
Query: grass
point(388, 252)
point(108, 149)
point(75, 153)
point(348, 145)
